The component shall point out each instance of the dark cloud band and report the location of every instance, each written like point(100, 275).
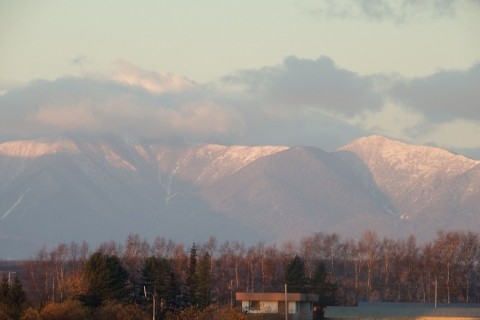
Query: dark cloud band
point(443, 96)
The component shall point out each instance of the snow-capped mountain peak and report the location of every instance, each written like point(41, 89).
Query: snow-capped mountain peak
point(37, 148)
point(417, 160)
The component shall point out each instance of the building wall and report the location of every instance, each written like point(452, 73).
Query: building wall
point(297, 310)
point(264, 306)
point(269, 306)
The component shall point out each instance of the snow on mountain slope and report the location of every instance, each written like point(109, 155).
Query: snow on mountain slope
point(417, 161)
point(36, 148)
point(214, 161)
point(204, 164)
point(418, 179)
point(103, 188)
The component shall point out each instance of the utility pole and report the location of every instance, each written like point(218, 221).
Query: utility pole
point(286, 303)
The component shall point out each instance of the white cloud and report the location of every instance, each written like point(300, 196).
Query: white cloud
point(102, 106)
point(155, 82)
point(299, 102)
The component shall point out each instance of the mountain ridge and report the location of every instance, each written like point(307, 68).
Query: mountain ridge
point(65, 189)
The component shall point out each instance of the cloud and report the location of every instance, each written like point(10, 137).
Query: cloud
point(80, 60)
point(105, 106)
point(156, 82)
point(387, 10)
point(8, 85)
point(443, 96)
point(298, 102)
point(285, 104)
point(305, 83)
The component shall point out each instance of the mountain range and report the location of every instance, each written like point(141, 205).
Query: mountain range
point(66, 189)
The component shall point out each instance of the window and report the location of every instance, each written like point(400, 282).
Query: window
point(254, 305)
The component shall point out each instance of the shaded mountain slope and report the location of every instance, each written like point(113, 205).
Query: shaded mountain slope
point(295, 192)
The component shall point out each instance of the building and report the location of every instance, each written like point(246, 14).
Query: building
point(300, 305)
point(404, 311)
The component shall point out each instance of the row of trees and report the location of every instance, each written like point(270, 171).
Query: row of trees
point(106, 281)
point(343, 271)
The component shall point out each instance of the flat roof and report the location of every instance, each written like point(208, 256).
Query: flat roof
point(363, 304)
point(401, 311)
point(276, 296)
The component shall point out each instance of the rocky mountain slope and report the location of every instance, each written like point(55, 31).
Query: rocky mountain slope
point(100, 189)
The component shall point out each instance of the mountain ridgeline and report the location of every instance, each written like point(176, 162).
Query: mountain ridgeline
point(72, 189)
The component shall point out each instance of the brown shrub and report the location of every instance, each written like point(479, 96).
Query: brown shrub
point(210, 313)
point(117, 311)
point(31, 314)
point(68, 310)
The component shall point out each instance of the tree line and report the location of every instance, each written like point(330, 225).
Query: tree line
point(341, 271)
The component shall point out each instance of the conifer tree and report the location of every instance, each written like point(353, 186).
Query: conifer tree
point(106, 279)
point(322, 285)
point(4, 288)
point(12, 297)
point(192, 281)
point(204, 281)
point(295, 276)
point(159, 276)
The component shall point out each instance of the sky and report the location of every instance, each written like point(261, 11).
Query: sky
point(280, 72)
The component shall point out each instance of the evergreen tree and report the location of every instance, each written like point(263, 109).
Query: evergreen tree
point(17, 298)
point(204, 278)
point(4, 288)
point(192, 281)
point(106, 279)
point(295, 276)
point(322, 285)
point(12, 297)
point(159, 276)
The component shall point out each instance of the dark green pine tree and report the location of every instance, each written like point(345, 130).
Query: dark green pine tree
point(158, 275)
point(4, 289)
point(204, 278)
point(295, 276)
point(17, 298)
point(12, 298)
point(192, 281)
point(323, 285)
point(106, 279)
